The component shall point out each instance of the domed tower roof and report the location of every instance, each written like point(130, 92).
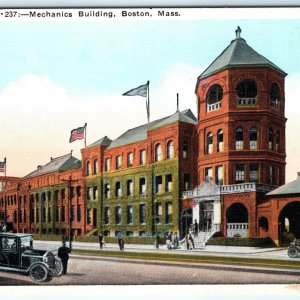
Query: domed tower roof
point(238, 54)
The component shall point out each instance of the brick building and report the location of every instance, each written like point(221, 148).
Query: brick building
point(219, 168)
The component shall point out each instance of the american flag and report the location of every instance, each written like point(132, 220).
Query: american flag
point(2, 166)
point(77, 134)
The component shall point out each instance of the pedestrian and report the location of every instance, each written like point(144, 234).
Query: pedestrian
point(121, 242)
point(101, 241)
point(187, 241)
point(209, 224)
point(191, 242)
point(63, 254)
point(196, 227)
point(176, 241)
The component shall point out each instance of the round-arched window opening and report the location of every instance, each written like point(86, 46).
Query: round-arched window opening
point(275, 92)
point(247, 89)
point(263, 223)
point(214, 94)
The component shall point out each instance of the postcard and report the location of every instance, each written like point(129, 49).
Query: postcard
point(149, 147)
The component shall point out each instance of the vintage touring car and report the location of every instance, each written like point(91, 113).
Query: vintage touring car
point(17, 255)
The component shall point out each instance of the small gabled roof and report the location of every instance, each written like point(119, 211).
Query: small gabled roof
point(292, 187)
point(105, 141)
point(139, 133)
point(238, 54)
point(61, 163)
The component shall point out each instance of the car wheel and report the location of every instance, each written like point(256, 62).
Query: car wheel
point(57, 271)
point(292, 252)
point(38, 273)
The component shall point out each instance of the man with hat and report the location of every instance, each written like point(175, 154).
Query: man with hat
point(63, 254)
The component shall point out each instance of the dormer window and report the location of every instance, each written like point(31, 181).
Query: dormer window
point(247, 92)
point(214, 97)
point(275, 96)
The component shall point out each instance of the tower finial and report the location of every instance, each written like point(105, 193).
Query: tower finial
point(238, 32)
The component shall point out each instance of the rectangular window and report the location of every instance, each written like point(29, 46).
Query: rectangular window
point(129, 214)
point(142, 213)
point(88, 193)
point(106, 215)
point(253, 174)
point(185, 150)
point(186, 182)
point(107, 165)
point(88, 216)
point(63, 214)
point(169, 183)
point(240, 173)
point(169, 213)
point(158, 213)
point(158, 184)
point(56, 214)
point(72, 192)
point(78, 213)
point(106, 190)
point(25, 216)
point(95, 192)
point(94, 217)
point(219, 175)
point(72, 213)
point(142, 186)
point(118, 191)
point(129, 187)
point(49, 214)
point(142, 157)
point(118, 162)
point(271, 175)
point(78, 191)
point(129, 159)
point(208, 172)
point(118, 215)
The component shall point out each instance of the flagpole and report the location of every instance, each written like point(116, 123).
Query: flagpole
point(5, 171)
point(85, 134)
point(148, 102)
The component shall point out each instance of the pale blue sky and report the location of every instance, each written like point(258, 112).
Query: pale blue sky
point(57, 75)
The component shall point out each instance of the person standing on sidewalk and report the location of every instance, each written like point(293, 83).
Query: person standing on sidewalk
point(63, 254)
point(121, 242)
point(196, 228)
point(101, 241)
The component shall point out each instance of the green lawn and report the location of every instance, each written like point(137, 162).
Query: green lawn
point(175, 257)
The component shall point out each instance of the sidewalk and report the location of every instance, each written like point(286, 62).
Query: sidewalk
point(271, 253)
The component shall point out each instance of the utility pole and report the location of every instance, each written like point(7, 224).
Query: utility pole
point(69, 185)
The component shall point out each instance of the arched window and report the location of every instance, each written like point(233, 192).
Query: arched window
point(275, 96)
point(209, 143)
point(95, 167)
point(170, 150)
point(253, 138)
point(220, 145)
point(239, 138)
point(246, 92)
point(129, 187)
point(277, 141)
point(88, 168)
point(185, 149)
point(118, 190)
point(158, 152)
point(271, 138)
point(214, 97)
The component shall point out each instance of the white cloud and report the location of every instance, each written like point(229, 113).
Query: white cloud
point(292, 105)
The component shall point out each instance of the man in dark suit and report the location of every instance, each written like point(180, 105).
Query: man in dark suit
point(63, 254)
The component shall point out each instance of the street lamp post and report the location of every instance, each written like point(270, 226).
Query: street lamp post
point(69, 185)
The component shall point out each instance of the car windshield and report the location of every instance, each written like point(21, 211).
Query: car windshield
point(27, 242)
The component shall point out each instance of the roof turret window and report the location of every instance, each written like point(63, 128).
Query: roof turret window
point(275, 96)
point(214, 97)
point(247, 92)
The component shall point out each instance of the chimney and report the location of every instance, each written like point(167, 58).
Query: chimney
point(39, 167)
point(298, 175)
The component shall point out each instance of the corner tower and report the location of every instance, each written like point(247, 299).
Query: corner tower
point(241, 128)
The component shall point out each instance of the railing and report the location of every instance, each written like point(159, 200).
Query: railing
point(214, 106)
point(274, 104)
point(237, 229)
point(231, 189)
point(246, 101)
